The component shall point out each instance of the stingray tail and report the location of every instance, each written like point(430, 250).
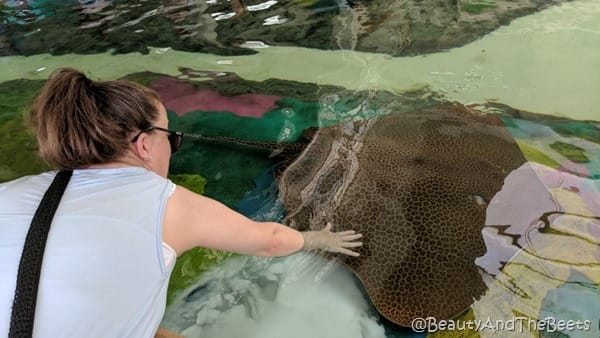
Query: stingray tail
point(275, 147)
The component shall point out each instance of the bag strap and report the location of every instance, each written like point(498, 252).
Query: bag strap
point(30, 266)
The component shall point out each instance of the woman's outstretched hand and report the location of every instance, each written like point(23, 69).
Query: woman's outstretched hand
point(332, 241)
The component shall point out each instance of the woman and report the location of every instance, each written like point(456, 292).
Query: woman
point(121, 223)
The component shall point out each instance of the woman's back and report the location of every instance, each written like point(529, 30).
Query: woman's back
point(104, 272)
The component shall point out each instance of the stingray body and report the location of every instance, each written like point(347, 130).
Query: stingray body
point(416, 185)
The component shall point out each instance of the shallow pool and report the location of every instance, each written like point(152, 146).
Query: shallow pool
point(393, 111)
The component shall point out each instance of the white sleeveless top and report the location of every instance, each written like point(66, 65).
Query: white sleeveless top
point(105, 270)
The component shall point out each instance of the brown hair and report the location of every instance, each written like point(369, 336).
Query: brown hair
point(79, 122)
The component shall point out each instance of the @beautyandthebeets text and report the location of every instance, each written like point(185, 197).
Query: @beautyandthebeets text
point(515, 324)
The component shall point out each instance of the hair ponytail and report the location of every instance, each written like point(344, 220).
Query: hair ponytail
point(79, 122)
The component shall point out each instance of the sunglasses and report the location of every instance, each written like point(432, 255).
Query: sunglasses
point(175, 137)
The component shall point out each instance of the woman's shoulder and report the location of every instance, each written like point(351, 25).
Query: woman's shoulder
point(29, 180)
point(123, 178)
point(19, 193)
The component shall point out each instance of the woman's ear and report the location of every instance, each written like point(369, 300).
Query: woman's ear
point(142, 147)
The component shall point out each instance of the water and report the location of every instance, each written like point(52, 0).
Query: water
point(543, 256)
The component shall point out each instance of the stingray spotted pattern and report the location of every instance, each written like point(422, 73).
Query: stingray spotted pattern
point(416, 184)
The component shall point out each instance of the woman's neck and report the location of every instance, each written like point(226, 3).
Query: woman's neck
point(128, 160)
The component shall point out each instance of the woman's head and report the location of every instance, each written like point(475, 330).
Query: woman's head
point(80, 122)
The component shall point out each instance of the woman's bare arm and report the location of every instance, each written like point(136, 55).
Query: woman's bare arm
point(192, 220)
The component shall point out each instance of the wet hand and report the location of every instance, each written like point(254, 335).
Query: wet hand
point(332, 241)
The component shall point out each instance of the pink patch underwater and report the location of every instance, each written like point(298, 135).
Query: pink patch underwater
point(183, 98)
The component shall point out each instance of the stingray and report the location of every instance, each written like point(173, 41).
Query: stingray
point(416, 185)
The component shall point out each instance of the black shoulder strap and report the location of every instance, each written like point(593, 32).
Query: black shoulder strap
point(28, 278)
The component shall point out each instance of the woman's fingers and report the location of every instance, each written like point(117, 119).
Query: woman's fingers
point(351, 244)
point(345, 240)
point(348, 252)
point(348, 238)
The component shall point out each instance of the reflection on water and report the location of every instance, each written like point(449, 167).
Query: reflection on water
point(394, 27)
point(542, 228)
point(299, 296)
